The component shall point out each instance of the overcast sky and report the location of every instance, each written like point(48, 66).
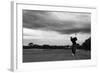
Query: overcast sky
point(55, 28)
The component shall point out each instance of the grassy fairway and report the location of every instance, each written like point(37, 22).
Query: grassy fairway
point(37, 55)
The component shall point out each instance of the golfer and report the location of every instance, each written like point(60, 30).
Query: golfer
point(74, 45)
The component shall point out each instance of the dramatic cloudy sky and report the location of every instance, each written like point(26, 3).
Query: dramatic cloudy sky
point(55, 28)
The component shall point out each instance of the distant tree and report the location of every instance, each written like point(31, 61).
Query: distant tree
point(46, 46)
point(67, 46)
point(87, 44)
point(31, 44)
point(78, 46)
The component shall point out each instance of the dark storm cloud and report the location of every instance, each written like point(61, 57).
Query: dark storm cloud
point(62, 22)
point(77, 30)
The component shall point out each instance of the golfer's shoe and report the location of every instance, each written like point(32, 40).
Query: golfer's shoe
point(73, 54)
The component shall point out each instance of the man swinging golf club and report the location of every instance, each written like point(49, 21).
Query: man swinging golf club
point(74, 44)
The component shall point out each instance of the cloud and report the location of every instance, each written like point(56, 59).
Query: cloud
point(61, 22)
point(40, 34)
point(77, 30)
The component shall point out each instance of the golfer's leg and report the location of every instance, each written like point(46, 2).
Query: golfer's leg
point(73, 51)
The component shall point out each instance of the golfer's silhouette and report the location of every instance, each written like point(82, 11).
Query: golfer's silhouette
point(74, 45)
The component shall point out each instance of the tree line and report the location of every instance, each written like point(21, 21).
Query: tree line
point(86, 45)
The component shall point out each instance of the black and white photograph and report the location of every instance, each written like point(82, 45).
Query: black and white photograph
point(55, 35)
